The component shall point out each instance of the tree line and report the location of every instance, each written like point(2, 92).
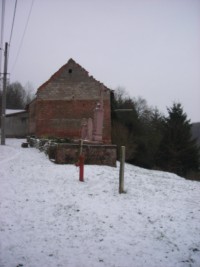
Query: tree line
point(152, 140)
point(17, 96)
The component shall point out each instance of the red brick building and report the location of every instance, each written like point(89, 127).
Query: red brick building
point(72, 104)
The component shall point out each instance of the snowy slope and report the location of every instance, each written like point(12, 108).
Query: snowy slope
point(48, 218)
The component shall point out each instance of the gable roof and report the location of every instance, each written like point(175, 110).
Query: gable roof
point(57, 73)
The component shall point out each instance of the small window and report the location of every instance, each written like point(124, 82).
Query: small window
point(70, 70)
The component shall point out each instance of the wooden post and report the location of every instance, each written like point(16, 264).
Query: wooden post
point(121, 171)
point(81, 163)
point(81, 147)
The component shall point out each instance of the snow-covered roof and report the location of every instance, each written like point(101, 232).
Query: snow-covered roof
point(13, 111)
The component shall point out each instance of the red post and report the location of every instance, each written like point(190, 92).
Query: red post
point(80, 164)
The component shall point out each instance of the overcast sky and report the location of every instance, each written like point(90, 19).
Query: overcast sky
point(149, 47)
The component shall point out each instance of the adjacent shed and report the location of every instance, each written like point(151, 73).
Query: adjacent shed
point(16, 123)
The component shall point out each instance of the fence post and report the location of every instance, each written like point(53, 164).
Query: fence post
point(121, 171)
point(81, 163)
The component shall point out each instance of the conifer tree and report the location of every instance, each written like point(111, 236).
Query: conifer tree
point(178, 152)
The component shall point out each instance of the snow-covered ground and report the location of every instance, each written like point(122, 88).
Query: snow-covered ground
point(48, 218)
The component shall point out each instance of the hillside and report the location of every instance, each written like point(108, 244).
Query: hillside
point(49, 218)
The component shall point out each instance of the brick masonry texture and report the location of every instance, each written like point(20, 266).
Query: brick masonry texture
point(93, 154)
point(64, 100)
point(68, 153)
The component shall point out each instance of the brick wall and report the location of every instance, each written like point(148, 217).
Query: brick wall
point(68, 153)
point(93, 154)
point(63, 118)
point(64, 100)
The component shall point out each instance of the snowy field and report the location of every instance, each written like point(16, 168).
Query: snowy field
point(50, 219)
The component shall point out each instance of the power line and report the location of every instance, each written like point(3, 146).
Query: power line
point(20, 46)
point(2, 22)
point(13, 21)
point(2, 31)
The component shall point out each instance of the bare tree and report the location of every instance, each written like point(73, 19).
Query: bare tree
point(17, 97)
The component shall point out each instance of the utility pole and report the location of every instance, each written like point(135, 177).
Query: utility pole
point(4, 95)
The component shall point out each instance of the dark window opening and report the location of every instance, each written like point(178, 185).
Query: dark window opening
point(70, 70)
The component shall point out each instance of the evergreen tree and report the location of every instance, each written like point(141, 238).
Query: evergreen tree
point(178, 152)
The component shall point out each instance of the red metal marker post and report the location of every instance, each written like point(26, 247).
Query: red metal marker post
point(81, 168)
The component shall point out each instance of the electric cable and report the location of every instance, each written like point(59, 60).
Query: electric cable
point(2, 32)
point(13, 22)
point(21, 43)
